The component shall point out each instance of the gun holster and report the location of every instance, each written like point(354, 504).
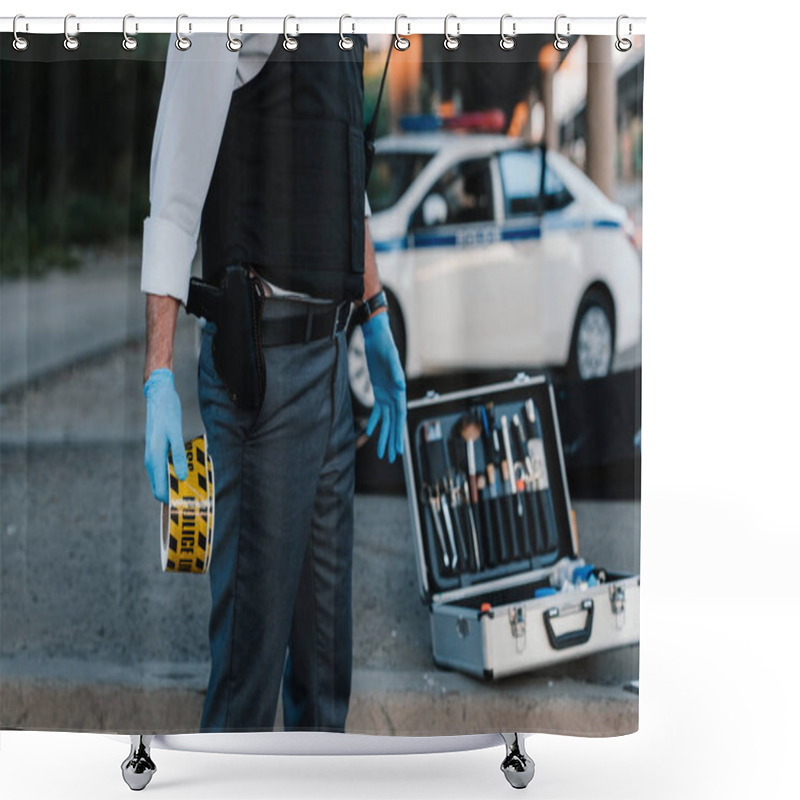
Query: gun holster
point(235, 308)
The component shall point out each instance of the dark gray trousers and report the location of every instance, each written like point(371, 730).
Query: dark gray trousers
point(281, 568)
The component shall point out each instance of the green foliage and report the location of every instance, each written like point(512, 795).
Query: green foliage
point(76, 149)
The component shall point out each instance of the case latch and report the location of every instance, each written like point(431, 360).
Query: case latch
point(431, 394)
point(516, 618)
point(618, 604)
point(521, 377)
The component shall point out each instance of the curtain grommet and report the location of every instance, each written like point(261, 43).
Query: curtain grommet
point(345, 42)
point(128, 42)
point(400, 42)
point(182, 42)
point(20, 43)
point(507, 42)
point(233, 44)
point(290, 43)
point(451, 42)
point(71, 43)
point(623, 44)
point(560, 43)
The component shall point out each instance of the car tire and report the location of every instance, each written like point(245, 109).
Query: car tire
point(358, 373)
point(591, 352)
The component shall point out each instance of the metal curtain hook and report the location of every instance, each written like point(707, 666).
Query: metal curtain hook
point(623, 45)
point(451, 42)
point(128, 42)
point(70, 42)
point(289, 42)
point(20, 42)
point(560, 42)
point(233, 44)
point(181, 42)
point(400, 42)
point(345, 42)
point(507, 42)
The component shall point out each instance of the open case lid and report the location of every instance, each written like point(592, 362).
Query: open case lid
point(447, 409)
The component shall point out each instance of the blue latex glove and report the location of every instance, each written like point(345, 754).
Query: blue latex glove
point(164, 431)
point(388, 385)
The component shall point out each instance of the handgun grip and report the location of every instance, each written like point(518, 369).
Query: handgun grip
point(204, 300)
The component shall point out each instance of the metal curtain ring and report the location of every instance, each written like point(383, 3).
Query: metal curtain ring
point(451, 42)
point(181, 42)
point(400, 42)
point(507, 42)
point(20, 42)
point(623, 45)
point(70, 42)
point(560, 42)
point(128, 42)
point(289, 42)
point(345, 42)
point(234, 45)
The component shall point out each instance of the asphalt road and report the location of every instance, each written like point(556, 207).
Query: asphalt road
point(95, 637)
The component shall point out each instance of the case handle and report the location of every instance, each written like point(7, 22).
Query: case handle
point(570, 638)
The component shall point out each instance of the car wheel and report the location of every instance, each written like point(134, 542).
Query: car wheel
point(592, 349)
point(360, 384)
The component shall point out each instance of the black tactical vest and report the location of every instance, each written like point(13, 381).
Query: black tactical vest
point(287, 193)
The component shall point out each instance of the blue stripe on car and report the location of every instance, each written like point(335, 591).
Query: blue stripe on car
point(517, 234)
point(506, 235)
point(400, 243)
point(435, 240)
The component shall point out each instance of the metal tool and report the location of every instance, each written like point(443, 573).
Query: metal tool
point(485, 516)
point(470, 433)
point(493, 458)
point(530, 412)
point(528, 474)
point(535, 450)
point(473, 529)
point(509, 464)
point(448, 524)
point(433, 501)
point(506, 509)
point(455, 505)
point(523, 443)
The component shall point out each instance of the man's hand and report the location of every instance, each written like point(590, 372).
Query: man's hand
point(163, 432)
point(163, 429)
point(388, 384)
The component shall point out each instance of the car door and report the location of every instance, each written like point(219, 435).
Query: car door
point(538, 267)
point(454, 236)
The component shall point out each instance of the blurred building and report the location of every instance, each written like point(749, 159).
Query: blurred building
point(585, 101)
point(570, 106)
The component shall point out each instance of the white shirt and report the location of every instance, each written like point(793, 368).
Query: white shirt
point(198, 84)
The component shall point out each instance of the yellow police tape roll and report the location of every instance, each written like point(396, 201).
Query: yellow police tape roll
point(187, 523)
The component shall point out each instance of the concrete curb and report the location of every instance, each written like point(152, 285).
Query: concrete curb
point(390, 703)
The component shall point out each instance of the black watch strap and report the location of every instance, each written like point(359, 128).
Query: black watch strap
point(369, 307)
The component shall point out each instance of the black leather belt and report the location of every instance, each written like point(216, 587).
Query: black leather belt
point(311, 322)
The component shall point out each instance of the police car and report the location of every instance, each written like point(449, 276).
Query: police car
point(494, 254)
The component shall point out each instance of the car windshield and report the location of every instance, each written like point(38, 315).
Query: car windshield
point(392, 173)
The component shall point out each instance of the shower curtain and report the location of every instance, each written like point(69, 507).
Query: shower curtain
point(504, 209)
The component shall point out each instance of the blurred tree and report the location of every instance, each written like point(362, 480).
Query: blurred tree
point(76, 130)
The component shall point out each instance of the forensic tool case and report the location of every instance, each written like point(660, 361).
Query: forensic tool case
point(495, 536)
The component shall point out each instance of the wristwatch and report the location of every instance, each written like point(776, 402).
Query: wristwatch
point(369, 307)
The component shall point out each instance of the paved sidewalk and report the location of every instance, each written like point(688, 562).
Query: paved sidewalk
point(53, 321)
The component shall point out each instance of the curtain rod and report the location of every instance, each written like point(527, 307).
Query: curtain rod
point(456, 26)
